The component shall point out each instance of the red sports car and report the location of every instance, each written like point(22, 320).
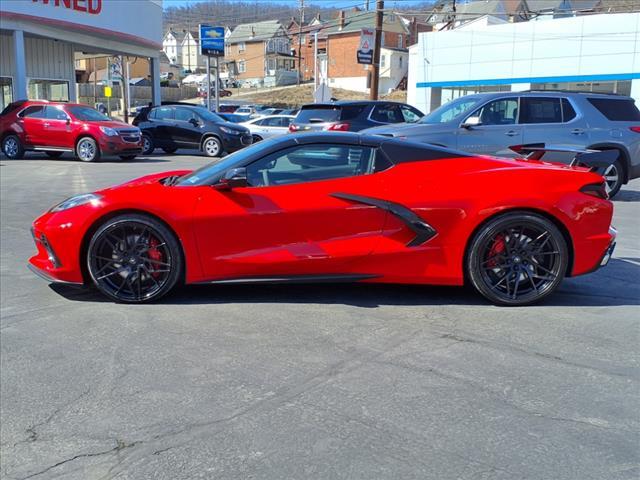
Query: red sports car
point(56, 128)
point(335, 207)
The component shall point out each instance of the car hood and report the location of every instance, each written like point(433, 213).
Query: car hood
point(407, 129)
point(143, 181)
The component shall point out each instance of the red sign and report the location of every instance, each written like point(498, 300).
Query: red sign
point(94, 7)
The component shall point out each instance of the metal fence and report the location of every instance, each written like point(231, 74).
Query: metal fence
point(90, 94)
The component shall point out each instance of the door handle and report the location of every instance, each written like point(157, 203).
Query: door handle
point(577, 131)
point(46, 124)
point(512, 133)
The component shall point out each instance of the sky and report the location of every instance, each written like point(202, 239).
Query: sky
point(323, 3)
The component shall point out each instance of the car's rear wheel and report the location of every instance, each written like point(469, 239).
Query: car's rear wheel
point(517, 258)
point(134, 259)
point(87, 150)
point(54, 154)
point(12, 147)
point(613, 175)
point(212, 147)
point(147, 145)
point(169, 150)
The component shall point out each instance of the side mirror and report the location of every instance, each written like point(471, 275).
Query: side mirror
point(194, 122)
point(234, 178)
point(471, 122)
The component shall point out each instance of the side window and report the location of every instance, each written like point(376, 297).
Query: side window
point(387, 113)
point(55, 113)
point(184, 114)
point(161, 113)
point(568, 113)
point(409, 114)
point(272, 122)
point(540, 110)
point(309, 163)
point(286, 121)
point(34, 111)
point(259, 122)
point(349, 112)
point(498, 112)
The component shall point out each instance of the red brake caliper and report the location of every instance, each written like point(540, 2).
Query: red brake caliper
point(154, 254)
point(497, 248)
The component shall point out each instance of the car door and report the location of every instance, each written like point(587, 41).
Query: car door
point(32, 119)
point(497, 131)
point(58, 129)
point(187, 128)
point(289, 221)
point(553, 121)
point(161, 121)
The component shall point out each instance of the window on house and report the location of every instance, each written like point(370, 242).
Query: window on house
point(241, 47)
point(383, 60)
point(400, 41)
point(242, 66)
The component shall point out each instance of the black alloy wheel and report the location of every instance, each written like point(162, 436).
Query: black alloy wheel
point(147, 144)
point(517, 259)
point(134, 259)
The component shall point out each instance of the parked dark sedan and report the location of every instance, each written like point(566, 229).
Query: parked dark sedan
point(171, 127)
point(352, 115)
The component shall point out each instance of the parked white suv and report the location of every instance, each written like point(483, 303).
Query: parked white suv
point(490, 123)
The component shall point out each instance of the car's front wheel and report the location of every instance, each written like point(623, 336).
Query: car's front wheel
point(212, 147)
point(134, 259)
point(12, 147)
point(87, 150)
point(517, 258)
point(147, 145)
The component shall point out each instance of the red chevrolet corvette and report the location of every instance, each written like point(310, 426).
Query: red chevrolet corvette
point(335, 207)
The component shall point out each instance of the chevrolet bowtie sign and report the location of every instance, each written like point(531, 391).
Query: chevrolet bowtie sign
point(365, 50)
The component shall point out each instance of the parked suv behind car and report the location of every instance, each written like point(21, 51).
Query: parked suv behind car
point(352, 116)
point(56, 128)
point(171, 127)
point(490, 123)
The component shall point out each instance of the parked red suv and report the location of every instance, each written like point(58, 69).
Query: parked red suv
point(55, 128)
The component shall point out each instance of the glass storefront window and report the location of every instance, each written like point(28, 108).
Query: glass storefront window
point(623, 87)
point(6, 92)
point(54, 90)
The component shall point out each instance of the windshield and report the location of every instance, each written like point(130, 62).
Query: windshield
point(87, 114)
point(451, 110)
point(207, 115)
point(208, 174)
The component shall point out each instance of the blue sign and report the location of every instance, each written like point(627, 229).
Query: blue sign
point(212, 40)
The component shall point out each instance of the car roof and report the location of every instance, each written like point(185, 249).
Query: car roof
point(340, 103)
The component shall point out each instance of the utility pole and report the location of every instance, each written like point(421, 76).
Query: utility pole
point(300, 40)
point(375, 73)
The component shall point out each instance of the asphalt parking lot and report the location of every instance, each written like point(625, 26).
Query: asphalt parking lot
point(301, 382)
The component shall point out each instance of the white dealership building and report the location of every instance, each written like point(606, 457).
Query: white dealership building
point(39, 40)
point(592, 52)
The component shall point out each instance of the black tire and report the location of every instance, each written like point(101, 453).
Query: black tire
point(54, 154)
point(517, 258)
point(127, 158)
point(169, 150)
point(256, 138)
point(87, 150)
point(614, 176)
point(12, 147)
point(212, 147)
point(134, 258)
point(147, 144)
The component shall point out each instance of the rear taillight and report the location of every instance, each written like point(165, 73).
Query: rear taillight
point(339, 127)
point(635, 129)
point(293, 128)
point(598, 190)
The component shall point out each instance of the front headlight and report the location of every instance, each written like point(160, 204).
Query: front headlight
point(108, 131)
point(230, 131)
point(76, 201)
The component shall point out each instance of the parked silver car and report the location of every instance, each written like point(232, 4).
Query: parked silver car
point(490, 123)
point(269, 126)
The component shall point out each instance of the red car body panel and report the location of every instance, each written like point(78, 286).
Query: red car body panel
point(41, 133)
point(302, 229)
